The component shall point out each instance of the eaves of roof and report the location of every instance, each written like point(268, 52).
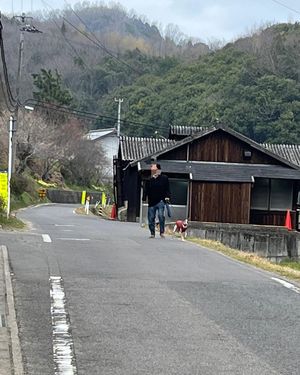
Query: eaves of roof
point(213, 129)
point(133, 148)
point(225, 172)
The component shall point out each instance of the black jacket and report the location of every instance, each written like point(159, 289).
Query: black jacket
point(156, 190)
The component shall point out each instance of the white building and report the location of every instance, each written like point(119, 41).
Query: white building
point(109, 142)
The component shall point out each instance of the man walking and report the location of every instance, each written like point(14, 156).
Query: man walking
point(158, 193)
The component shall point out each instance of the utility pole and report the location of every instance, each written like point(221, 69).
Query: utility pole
point(32, 29)
point(119, 101)
point(12, 129)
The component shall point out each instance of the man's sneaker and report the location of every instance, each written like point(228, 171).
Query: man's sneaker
point(152, 236)
point(162, 235)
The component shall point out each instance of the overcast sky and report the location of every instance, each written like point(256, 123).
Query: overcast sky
point(205, 19)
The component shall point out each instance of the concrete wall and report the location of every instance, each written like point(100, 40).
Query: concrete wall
point(274, 243)
point(65, 196)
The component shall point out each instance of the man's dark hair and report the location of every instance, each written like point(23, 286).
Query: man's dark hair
point(158, 166)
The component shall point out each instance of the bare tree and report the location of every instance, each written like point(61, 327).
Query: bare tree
point(45, 145)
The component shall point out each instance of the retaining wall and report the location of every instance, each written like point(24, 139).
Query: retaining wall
point(66, 196)
point(274, 243)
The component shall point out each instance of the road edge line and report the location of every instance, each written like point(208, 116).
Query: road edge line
point(11, 318)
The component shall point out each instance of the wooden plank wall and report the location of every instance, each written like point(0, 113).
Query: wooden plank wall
point(177, 154)
point(220, 202)
point(271, 217)
point(223, 147)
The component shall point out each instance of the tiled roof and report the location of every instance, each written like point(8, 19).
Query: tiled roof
point(230, 172)
point(185, 130)
point(133, 148)
point(288, 152)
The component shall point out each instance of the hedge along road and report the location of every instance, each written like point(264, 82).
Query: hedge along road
point(132, 305)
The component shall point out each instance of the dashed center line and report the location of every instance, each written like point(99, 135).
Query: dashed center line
point(64, 225)
point(72, 239)
point(46, 238)
point(287, 285)
point(63, 345)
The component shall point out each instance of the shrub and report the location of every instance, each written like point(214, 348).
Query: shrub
point(2, 206)
point(19, 184)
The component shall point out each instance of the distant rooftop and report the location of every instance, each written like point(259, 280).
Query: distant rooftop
point(288, 152)
point(133, 148)
point(100, 133)
point(181, 131)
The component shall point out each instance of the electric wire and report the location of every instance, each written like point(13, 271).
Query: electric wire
point(12, 101)
point(86, 114)
point(95, 41)
point(101, 44)
point(286, 6)
point(45, 105)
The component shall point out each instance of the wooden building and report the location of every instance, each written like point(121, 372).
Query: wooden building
point(127, 180)
point(219, 175)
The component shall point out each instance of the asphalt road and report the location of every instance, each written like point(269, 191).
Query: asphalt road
point(141, 306)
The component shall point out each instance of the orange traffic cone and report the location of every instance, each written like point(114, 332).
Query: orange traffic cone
point(288, 220)
point(113, 214)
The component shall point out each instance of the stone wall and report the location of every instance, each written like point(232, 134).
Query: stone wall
point(66, 196)
point(274, 243)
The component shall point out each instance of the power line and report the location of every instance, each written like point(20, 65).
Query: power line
point(286, 6)
point(86, 114)
point(96, 41)
point(12, 101)
point(67, 41)
point(8, 105)
point(101, 45)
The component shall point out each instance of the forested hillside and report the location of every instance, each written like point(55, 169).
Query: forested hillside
point(79, 43)
point(251, 85)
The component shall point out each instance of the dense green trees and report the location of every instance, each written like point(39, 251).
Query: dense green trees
point(229, 86)
point(50, 88)
point(252, 86)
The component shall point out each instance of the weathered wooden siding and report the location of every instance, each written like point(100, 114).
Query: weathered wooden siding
point(220, 202)
point(271, 217)
point(178, 154)
point(223, 147)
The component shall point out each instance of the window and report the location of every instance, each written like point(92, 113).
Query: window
point(178, 189)
point(281, 195)
point(271, 194)
point(260, 194)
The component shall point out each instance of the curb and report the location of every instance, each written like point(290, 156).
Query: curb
point(17, 360)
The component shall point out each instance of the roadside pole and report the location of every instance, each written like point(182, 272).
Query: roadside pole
point(119, 101)
point(10, 154)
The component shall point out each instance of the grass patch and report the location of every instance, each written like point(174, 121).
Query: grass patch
point(289, 269)
point(25, 200)
point(11, 223)
point(103, 212)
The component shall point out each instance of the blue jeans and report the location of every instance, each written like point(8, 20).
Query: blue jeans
point(160, 207)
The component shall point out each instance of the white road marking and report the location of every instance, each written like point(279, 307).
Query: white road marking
point(63, 346)
point(64, 225)
point(67, 230)
point(287, 285)
point(46, 238)
point(2, 321)
point(73, 239)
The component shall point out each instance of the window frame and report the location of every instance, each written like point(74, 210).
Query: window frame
point(269, 208)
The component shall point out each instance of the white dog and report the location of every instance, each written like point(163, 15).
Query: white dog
point(181, 227)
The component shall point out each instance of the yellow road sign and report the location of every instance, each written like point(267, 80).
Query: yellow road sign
point(3, 187)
